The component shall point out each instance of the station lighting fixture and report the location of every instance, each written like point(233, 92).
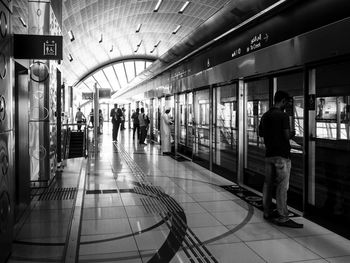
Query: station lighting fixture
point(184, 7)
point(22, 21)
point(138, 28)
point(139, 44)
point(71, 35)
point(176, 29)
point(70, 58)
point(156, 45)
point(111, 50)
point(137, 49)
point(157, 6)
point(101, 39)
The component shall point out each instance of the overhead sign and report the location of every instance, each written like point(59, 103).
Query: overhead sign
point(37, 47)
point(87, 95)
point(104, 93)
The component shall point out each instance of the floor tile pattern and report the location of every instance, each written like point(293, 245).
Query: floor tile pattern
point(141, 206)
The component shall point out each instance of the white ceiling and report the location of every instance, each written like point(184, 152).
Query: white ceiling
point(117, 21)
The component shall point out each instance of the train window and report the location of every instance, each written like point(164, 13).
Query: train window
point(333, 117)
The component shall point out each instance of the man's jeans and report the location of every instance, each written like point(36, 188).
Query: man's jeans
point(277, 169)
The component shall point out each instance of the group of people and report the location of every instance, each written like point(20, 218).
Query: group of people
point(274, 127)
point(80, 119)
point(140, 125)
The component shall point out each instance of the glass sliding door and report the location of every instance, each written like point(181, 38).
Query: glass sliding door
point(257, 103)
point(293, 84)
point(169, 103)
point(201, 105)
point(331, 172)
point(225, 131)
point(184, 146)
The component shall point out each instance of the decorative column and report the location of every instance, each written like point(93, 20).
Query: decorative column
point(42, 96)
point(7, 183)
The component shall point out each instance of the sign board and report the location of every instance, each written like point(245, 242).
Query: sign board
point(87, 96)
point(37, 47)
point(104, 93)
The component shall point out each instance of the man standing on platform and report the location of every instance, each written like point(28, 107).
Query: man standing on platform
point(165, 132)
point(114, 122)
point(275, 129)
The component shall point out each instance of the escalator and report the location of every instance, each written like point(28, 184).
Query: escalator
point(76, 142)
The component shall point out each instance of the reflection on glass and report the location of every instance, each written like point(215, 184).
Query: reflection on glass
point(182, 109)
point(201, 104)
point(190, 120)
point(225, 132)
point(332, 118)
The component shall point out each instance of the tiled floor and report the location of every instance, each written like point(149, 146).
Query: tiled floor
point(150, 208)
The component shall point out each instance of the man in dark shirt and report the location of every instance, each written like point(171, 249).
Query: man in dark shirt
point(275, 129)
point(114, 122)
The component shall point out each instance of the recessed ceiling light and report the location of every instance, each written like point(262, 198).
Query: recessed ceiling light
point(184, 7)
point(71, 35)
point(176, 29)
point(138, 28)
point(22, 21)
point(157, 6)
point(70, 58)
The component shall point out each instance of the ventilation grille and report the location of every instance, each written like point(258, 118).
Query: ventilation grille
point(58, 194)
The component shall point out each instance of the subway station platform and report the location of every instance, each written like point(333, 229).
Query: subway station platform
point(128, 203)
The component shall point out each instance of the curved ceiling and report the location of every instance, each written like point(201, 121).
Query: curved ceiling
point(106, 30)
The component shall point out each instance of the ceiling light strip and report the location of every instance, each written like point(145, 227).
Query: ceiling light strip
point(184, 7)
point(70, 58)
point(157, 6)
point(156, 45)
point(138, 28)
point(22, 21)
point(101, 39)
point(177, 29)
point(71, 35)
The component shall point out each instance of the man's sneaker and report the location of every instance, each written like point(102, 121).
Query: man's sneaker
point(289, 223)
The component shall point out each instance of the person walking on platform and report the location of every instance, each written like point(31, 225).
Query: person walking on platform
point(136, 123)
point(118, 120)
point(123, 120)
point(100, 121)
point(165, 132)
point(79, 118)
point(143, 126)
point(275, 129)
point(114, 121)
point(91, 118)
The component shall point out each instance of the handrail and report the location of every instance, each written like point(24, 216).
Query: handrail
point(73, 126)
